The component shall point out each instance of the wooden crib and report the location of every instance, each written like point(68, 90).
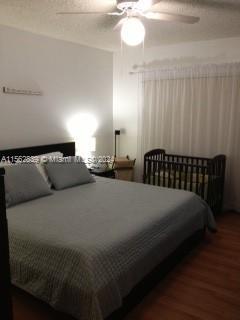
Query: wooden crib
point(204, 176)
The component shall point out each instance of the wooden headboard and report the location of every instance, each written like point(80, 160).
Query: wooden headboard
point(68, 149)
point(5, 277)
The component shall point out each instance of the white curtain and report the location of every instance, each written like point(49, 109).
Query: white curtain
point(194, 111)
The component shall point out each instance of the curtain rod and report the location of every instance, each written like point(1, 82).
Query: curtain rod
point(191, 67)
point(202, 76)
point(191, 77)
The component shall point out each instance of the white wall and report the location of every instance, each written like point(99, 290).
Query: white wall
point(73, 79)
point(125, 91)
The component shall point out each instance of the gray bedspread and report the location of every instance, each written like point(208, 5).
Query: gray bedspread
point(83, 249)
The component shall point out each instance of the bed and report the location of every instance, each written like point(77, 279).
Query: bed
point(83, 249)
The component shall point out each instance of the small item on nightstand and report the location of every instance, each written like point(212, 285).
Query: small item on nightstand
point(124, 168)
point(103, 172)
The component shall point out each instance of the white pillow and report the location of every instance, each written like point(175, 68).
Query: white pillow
point(5, 163)
point(40, 161)
point(68, 174)
point(23, 182)
point(43, 158)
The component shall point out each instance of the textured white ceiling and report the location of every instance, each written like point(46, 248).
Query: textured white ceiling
point(219, 19)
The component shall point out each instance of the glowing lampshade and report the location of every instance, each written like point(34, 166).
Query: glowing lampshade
point(92, 146)
point(133, 31)
point(82, 128)
point(82, 125)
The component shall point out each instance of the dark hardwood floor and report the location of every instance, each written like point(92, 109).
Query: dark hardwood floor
point(204, 286)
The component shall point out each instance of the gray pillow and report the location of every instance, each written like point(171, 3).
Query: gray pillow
point(23, 182)
point(68, 174)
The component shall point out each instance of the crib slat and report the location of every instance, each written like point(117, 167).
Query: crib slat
point(149, 172)
point(210, 184)
point(169, 175)
point(144, 171)
point(203, 183)
point(159, 171)
point(180, 176)
point(154, 171)
point(191, 178)
point(174, 175)
point(164, 171)
point(197, 178)
point(185, 176)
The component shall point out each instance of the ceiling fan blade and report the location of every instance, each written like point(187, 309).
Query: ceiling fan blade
point(89, 12)
point(171, 17)
point(120, 13)
point(214, 4)
point(119, 24)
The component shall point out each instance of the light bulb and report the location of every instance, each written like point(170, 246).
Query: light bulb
point(133, 32)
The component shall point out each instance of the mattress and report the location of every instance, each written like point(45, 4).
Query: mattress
point(197, 187)
point(83, 249)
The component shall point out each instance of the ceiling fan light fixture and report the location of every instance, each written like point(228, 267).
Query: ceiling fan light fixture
point(133, 31)
point(134, 4)
point(144, 5)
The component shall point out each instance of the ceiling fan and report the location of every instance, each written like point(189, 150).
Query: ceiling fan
point(132, 29)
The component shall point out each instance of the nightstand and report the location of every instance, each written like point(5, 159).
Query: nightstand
point(106, 173)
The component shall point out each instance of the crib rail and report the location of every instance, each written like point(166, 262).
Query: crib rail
point(204, 176)
point(176, 175)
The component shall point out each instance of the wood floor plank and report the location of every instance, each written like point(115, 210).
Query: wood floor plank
point(225, 294)
point(202, 299)
point(160, 312)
